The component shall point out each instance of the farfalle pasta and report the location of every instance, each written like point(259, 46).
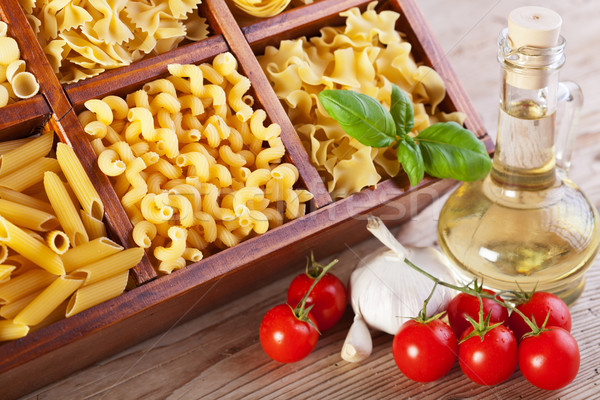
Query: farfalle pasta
point(366, 55)
point(15, 82)
point(197, 169)
point(84, 38)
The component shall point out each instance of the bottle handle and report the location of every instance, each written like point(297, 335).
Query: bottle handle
point(570, 101)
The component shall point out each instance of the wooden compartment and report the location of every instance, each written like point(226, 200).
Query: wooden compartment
point(159, 303)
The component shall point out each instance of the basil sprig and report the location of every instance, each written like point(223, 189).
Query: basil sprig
point(443, 150)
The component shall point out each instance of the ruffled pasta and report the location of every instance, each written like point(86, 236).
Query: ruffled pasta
point(366, 55)
point(84, 38)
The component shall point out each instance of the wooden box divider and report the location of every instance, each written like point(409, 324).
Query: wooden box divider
point(156, 305)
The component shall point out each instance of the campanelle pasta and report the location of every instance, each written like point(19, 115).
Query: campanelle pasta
point(55, 258)
point(207, 161)
point(365, 55)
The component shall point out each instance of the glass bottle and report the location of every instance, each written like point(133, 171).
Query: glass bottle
point(526, 225)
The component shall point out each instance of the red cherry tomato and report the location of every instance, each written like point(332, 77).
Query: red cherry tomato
point(425, 352)
point(549, 360)
point(490, 361)
point(328, 297)
point(538, 307)
point(463, 305)
point(284, 337)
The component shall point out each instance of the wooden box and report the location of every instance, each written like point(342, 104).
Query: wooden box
point(159, 303)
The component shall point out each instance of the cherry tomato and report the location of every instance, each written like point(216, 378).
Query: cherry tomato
point(284, 337)
point(538, 307)
point(328, 297)
point(491, 360)
point(425, 352)
point(463, 305)
point(549, 360)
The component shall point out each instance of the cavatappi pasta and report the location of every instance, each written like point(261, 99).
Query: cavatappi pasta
point(84, 38)
point(196, 168)
point(55, 260)
point(365, 55)
point(15, 82)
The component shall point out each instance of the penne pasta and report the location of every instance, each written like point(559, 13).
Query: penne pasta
point(24, 284)
point(26, 153)
point(26, 200)
point(58, 241)
point(48, 300)
point(94, 227)
point(30, 174)
point(99, 292)
point(10, 330)
point(5, 271)
point(65, 210)
point(30, 248)
point(89, 253)
point(80, 183)
point(109, 266)
point(27, 217)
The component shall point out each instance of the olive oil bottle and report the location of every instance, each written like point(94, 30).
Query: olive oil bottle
point(526, 225)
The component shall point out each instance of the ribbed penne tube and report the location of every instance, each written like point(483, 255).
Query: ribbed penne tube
point(25, 154)
point(11, 309)
point(11, 331)
point(109, 266)
point(80, 183)
point(50, 298)
point(26, 200)
point(89, 253)
point(65, 210)
point(30, 248)
point(58, 241)
point(30, 174)
point(24, 284)
point(23, 265)
point(13, 144)
point(5, 271)
point(27, 217)
point(3, 252)
point(99, 292)
point(94, 227)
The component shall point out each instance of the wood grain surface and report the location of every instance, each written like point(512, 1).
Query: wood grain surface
point(218, 356)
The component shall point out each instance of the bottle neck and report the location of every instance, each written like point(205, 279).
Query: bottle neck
point(524, 155)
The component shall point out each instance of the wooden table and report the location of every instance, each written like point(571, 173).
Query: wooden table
point(218, 356)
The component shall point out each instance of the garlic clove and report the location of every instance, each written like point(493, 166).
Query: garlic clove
point(358, 344)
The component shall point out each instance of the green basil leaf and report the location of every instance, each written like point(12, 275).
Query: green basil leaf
point(409, 155)
point(361, 116)
point(402, 111)
point(451, 151)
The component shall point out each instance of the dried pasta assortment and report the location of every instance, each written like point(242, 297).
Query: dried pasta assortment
point(84, 38)
point(15, 82)
point(195, 166)
point(55, 257)
point(365, 55)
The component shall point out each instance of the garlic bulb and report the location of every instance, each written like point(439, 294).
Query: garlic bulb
point(385, 291)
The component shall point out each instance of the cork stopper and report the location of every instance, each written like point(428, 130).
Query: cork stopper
point(534, 27)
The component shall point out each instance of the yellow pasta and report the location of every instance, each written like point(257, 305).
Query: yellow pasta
point(178, 238)
point(66, 212)
point(25, 85)
point(27, 217)
point(30, 174)
point(25, 284)
point(50, 298)
point(367, 55)
point(95, 228)
point(5, 271)
point(109, 266)
point(10, 330)
point(99, 292)
point(32, 249)
point(58, 241)
point(9, 50)
point(80, 183)
point(89, 253)
point(25, 153)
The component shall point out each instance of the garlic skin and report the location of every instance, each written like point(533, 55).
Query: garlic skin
point(385, 291)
